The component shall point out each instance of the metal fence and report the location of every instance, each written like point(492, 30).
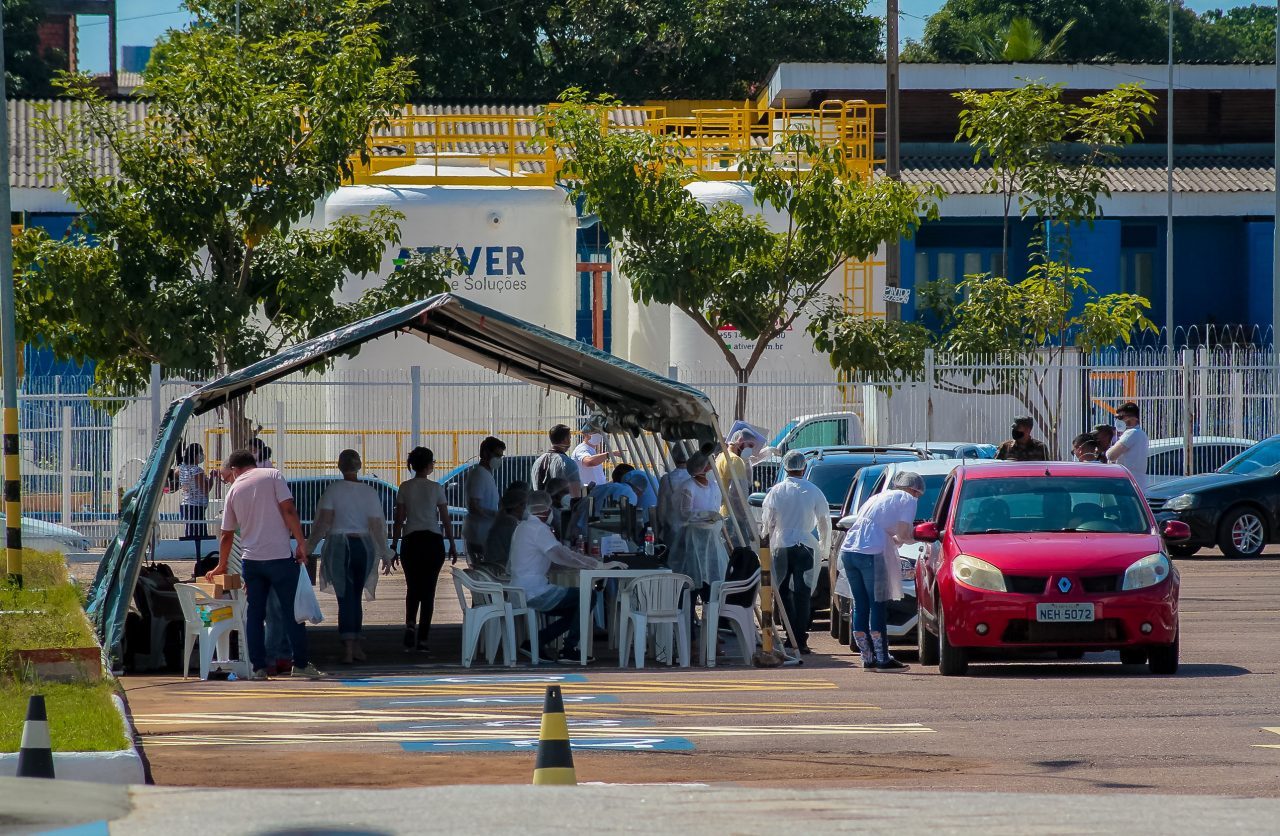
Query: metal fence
point(80, 453)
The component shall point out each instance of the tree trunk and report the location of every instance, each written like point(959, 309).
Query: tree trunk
point(239, 427)
point(740, 397)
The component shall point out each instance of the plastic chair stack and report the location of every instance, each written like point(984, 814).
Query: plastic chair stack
point(741, 618)
point(212, 637)
point(663, 600)
point(487, 615)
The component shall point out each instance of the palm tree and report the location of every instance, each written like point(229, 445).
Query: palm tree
point(1019, 41)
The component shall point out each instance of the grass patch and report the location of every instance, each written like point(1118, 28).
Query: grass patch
point(82, 717)
point(47, 612)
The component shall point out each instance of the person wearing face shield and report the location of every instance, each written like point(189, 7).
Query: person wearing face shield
point(534, 548)
point(870, 557)
point(591, 457)
point(1022, 447)
point(482, 497)
point(700, 551)
point(1084, 448)
point(735, 473)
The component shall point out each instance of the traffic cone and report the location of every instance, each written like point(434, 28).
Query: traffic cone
point(35, 757)
point(555, 759)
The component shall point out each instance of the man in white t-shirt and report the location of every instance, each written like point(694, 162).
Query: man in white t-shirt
point(1130, 449)
point(591, 456)
point(260, 509)
point(534, 548)
point(482, 497)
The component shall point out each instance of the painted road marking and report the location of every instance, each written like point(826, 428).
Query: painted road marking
point(530, 744)
point(524, 723)
point(415, 681)
point(348, 737)
point(574, 699)
point(1273, 730)
point(498, 712)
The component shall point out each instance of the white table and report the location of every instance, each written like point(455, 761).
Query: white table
point(586, 581)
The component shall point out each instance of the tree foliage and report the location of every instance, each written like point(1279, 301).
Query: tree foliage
point(1123, 30)
point(634, 50)
point(1021, 40)
point(195, 255)
point(716, 263)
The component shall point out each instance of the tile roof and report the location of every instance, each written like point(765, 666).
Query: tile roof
point(1195, 173)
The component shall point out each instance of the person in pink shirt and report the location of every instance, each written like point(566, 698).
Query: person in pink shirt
point(260, 509)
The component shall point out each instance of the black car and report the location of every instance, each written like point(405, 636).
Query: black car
point(1236, 508)
point(832, 470)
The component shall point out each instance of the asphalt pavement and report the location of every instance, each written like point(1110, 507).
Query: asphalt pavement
point(1025, 726)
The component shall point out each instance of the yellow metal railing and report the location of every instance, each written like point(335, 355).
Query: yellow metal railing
point(859, 288)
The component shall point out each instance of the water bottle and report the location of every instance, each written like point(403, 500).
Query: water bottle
point(648, 540)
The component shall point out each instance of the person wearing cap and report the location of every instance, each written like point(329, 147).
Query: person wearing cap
point(870, 557)
point(668, 492)
point(1022, 447)
point(591, 456)
point(1130, 449)
point(733, 470)
point(643, 483)
point(796, 522)
point(534, 548)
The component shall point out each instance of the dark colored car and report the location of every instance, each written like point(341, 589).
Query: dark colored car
point(1236, 508)
point(833, 470)
point(307, 491)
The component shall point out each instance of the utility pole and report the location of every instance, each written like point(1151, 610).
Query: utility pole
point(893, 254)
point(9, 352)
point(1168, 215)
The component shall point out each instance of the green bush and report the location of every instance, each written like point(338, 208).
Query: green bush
point(47, 612)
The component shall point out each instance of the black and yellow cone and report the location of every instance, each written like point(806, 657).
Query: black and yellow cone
point(555, 759)
point(35, 757)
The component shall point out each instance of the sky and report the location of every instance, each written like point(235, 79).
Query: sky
point(143, 21)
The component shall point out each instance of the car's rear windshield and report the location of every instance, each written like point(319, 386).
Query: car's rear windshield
point(1262, 456)
point(1050, 503)
point(834, 479)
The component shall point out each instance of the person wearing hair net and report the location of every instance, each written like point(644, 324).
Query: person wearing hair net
point(534, 548)
point(870, 557)
point(734, 472)
point(668, 495)
point(796, 522)
point(700, 551)
point(352, 523)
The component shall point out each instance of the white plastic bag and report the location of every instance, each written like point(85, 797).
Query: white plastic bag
point(306, 607)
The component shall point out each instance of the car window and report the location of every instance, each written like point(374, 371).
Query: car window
point(1262, 456)
point(933, 484)
point(944, 503)
point(833, 478)
point(1050, 503)
point(862, 487)
point(1166, 463)
point(1210, 457)
point(828, 433)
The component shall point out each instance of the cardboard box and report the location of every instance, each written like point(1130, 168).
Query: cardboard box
point(227, 583)
point(207, 588)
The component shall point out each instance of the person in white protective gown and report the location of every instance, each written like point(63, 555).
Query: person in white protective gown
point(700, 552)
point(668, 529)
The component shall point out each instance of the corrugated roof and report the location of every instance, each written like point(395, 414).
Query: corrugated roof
point(1200, 173)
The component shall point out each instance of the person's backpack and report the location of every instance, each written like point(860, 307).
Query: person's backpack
point(743, 562)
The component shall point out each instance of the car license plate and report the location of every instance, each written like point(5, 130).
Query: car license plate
point(1055, 613)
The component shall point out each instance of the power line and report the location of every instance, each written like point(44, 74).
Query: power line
point(135, 17)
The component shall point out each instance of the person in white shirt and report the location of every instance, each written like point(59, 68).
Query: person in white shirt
point(260, 510)
point(482, 498)
point(796, 523)
point(1130, 449)
point(668, 492)
point(870, 558)
point(422, 519)
point(352, 523)
point(591, 457)
point(534, 548)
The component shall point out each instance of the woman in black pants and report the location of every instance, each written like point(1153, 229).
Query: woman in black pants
point(422, 517)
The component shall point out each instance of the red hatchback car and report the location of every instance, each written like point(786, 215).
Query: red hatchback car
point(1046, 556)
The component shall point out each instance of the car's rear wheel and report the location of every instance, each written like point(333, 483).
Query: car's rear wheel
point(1183, 550)
point(1133, 656)
point(952, 661)
point(926, 645)
point(1242, 533)
point(1163, 658)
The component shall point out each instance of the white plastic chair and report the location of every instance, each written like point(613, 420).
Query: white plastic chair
point(661, 599)
point(741, 619)
point(216, 636)
point(486, 615)
point(518, 607)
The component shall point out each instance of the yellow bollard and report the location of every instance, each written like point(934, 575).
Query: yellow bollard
point(766, 656)
point(555, 759)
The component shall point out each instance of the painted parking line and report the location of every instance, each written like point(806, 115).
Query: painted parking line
point(533, 699)
point(1273, 730)
point(530, 744)
point(534, 723)
point(428, 681)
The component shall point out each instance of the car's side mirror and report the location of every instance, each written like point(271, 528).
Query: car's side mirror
point(756, 500)
point(927, 532)
point(1175, 531)
point(845, 523)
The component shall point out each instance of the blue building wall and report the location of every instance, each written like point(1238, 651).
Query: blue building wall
point(1258, 240)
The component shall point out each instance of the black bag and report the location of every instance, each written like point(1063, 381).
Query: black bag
point(743, 563)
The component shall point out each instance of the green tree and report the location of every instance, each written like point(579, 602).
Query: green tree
point(27, 73)
point(194, 256)
point(1019, 41)
point(1244, 33)
point(717, 264)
